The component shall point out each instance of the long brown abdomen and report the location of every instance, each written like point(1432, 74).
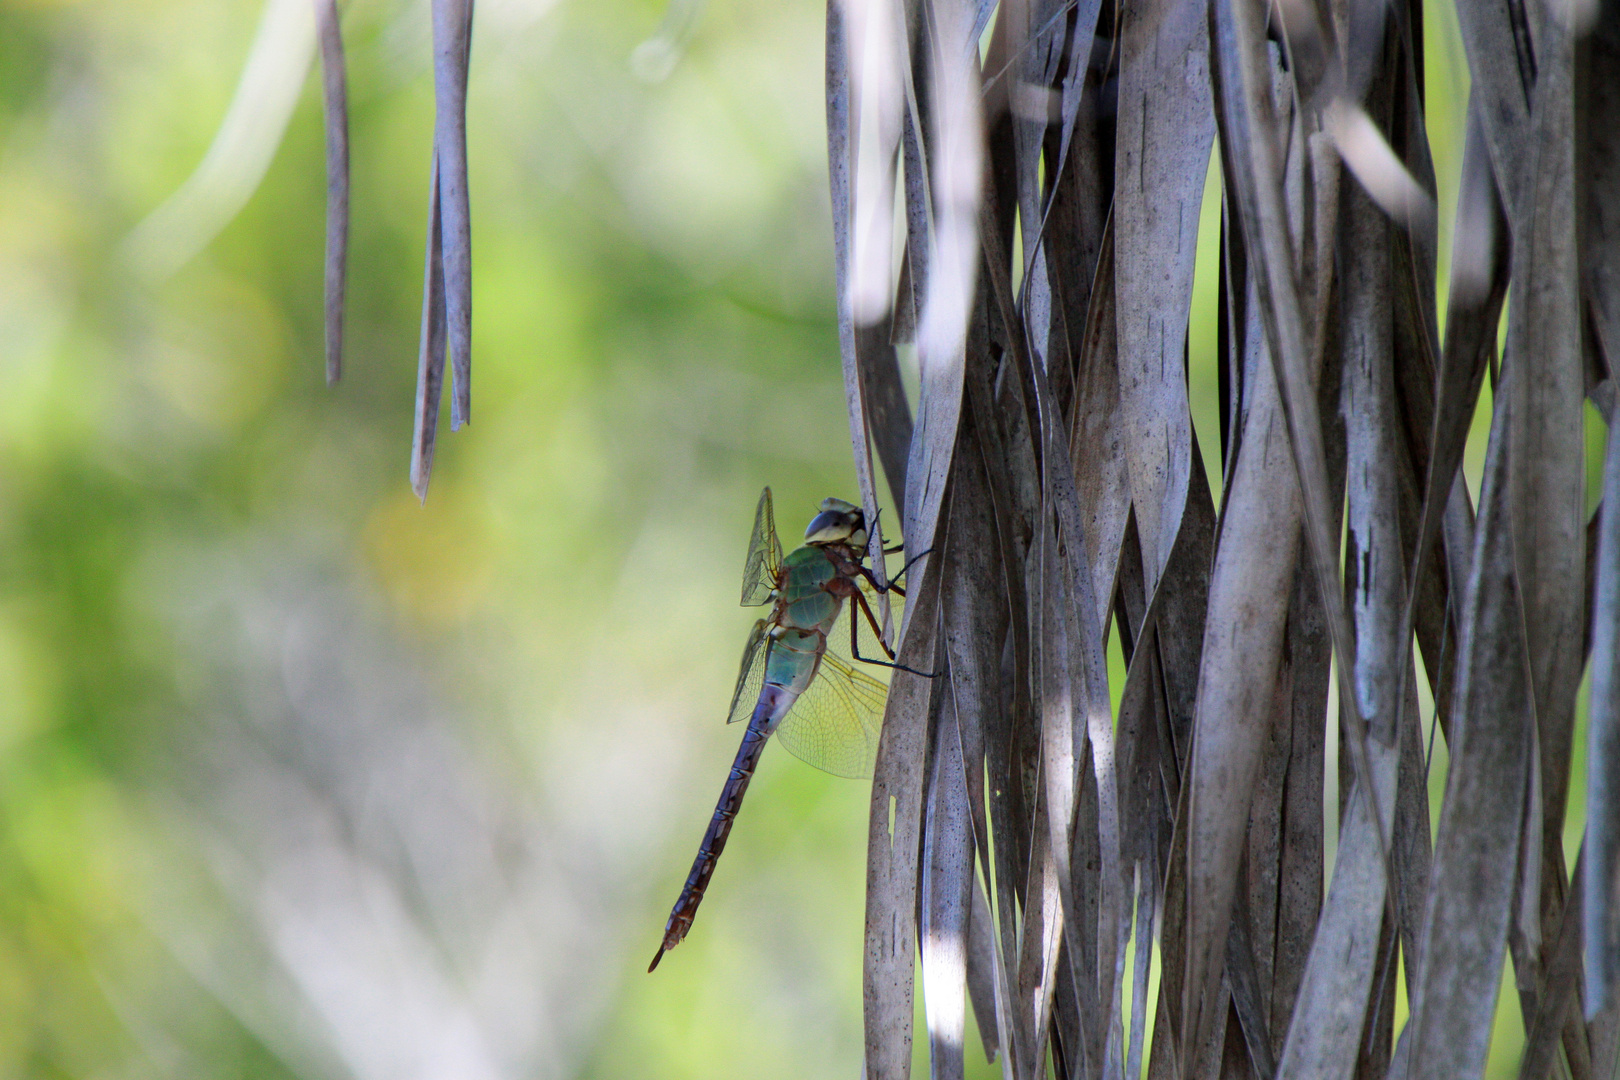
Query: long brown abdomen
point(714, 838)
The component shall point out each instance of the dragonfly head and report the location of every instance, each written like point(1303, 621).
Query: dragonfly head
point(838, 523)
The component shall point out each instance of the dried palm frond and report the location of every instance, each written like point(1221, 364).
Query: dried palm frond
point(1025, 832)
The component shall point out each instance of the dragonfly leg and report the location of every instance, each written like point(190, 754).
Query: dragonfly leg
point(854, 626)
point(911, 561)
point(891, 586)
point(898, 548)
point(884, 589)
point(855, 647)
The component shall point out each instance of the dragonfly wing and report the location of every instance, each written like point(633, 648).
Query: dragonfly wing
point(835, 723)
point(764, 563)
point(750, 677)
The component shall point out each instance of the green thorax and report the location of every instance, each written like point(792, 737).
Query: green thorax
point(804, 601)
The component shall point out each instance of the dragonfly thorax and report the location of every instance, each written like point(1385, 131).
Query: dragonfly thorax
point(804, 601)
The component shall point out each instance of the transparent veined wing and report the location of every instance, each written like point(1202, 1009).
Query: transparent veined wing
point(835, 723)
point(764, 561)
point(750, 676)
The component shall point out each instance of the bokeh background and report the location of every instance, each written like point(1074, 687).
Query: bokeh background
point(299, 777)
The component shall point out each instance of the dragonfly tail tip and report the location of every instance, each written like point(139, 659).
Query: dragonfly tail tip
point(657, 957)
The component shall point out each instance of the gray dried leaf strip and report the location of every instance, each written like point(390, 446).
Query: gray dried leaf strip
point(1166, 124)
point(452, 44)
point(335, 96)
point(430, 362)
point(1472, 884)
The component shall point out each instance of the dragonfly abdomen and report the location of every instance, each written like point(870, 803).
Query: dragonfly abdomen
point(774, 703)
point(795, 655)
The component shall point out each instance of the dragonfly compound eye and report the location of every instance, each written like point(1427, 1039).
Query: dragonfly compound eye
point(836, 524)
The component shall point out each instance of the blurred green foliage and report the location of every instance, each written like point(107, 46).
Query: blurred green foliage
point(653, 342)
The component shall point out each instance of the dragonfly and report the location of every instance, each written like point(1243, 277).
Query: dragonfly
point(796, 680)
